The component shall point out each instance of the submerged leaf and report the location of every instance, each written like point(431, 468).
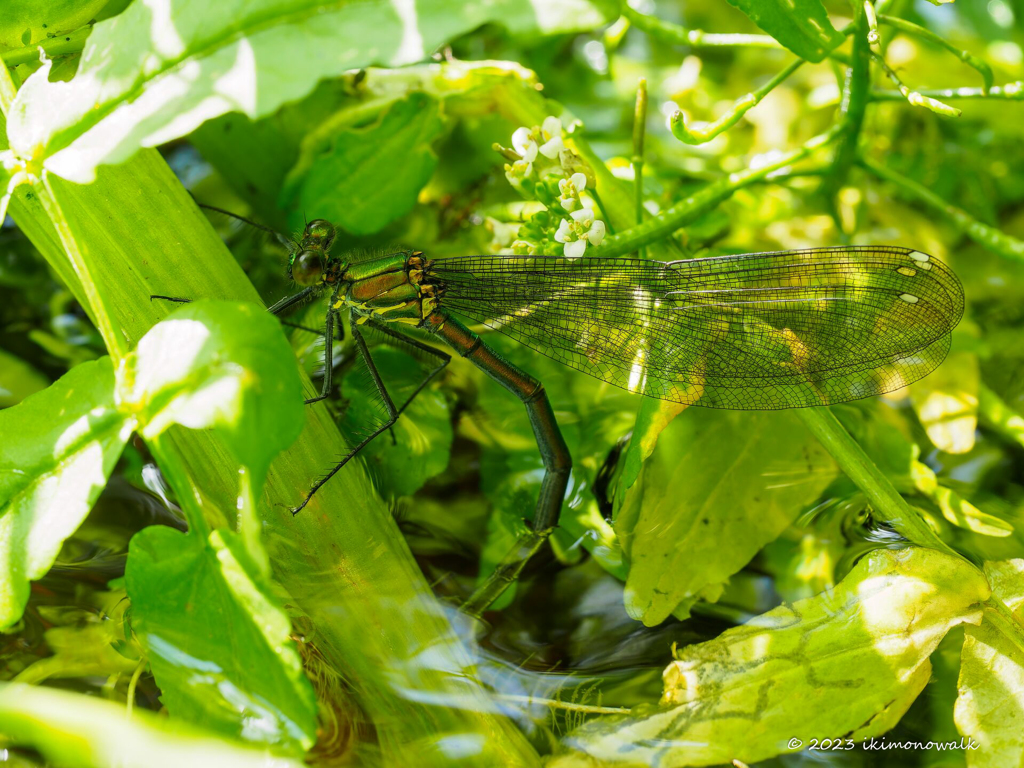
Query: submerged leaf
point(57, 450)
point(218, 643)
point(719, 486)
point(848, 662)
point(370, 177)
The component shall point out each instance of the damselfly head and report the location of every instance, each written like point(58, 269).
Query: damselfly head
point(307, 267)
point(318, 232)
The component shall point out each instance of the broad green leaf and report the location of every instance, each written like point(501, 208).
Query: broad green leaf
point(990, 706)
point(217, 642)
point(947, 402)
point(800, 25)
point(86, 732)
point(377, 614)
point(57, 449)
point(422, 439)
point(718, 487)
point(18, 379)
point(27, 22)
point(651, 419)
point(371, 176)
point(848, 662)
point(223, 364)
point(956, 509)
point(160, 69)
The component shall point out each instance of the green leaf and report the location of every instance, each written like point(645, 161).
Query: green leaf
point(946, 402)
point(217, 642)
point(370, 177)
point(800, 25)
point(28, 22)
point(422, 435)
point(848, 662)
point(86, 732)
point(58, 448)
point(718, 487)
point(148, 76)
point(223, 364)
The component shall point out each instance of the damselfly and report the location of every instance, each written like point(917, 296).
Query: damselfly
point(788, 329)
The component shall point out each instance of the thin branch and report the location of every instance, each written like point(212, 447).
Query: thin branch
point(968, 58)
point(990, 237)
point(1010, 91)
point(695, 38)
point(639, 130)
point(700, 133)
point(567, 705)
point(915, 98)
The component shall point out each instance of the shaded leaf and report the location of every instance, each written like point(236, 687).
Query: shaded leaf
point(800, 25)
point(848, 662)
point(18, 379)
point(75, 730)
point(718, 487)
point(224, 364)
point(370, 177)
point(58, 448)
point(947, 402)
point(217, 642)
point(157, 71)
point(422, 435)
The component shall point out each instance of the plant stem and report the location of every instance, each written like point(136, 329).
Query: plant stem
point(707, 131)
point(915, 98)
point(990, 237)
point(1010, 91)
point(184, 489)
point(859, 467)
point(567, 705)
point(639, 129)
point(1003, 619)
point(695, 38)
point(704, 200)
point(53, 47)
point(968, 58)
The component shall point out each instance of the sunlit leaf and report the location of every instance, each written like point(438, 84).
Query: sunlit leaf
point(990, 706)
point(370, 177)
point(947, 402)
point(718, 487)
point(848, 662)
point(86, 732)
point(159, 70)
point(800, 25)
point(32, 21)
point(58, 448)
point(218, 643)
point(217, 363)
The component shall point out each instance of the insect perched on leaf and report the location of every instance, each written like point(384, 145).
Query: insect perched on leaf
point(762, 331)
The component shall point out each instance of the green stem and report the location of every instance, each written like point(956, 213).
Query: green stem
point(707, 131)
point(990, 237)
point(566, 705)
point(639, 130)
point(695, 38)
point(856, 464)
point(1002, 618)
point(852, 107)
point(1010, 91)
point(968, 58)
point(915, 98)
point(704, 200)
point(178, 478)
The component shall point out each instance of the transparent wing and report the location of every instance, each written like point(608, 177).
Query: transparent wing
point(754, 331)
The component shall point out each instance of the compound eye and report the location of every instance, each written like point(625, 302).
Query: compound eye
point(321, 232)
point(307, 268)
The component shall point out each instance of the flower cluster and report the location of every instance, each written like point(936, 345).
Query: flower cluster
point(542, 168)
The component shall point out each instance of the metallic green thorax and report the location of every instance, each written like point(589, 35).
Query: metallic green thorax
point(393, 288)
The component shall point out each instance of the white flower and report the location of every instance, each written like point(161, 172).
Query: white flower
point(525, 144)
point(545, 139)
point(583, 229)
point(551, 133)
point(570, 189)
